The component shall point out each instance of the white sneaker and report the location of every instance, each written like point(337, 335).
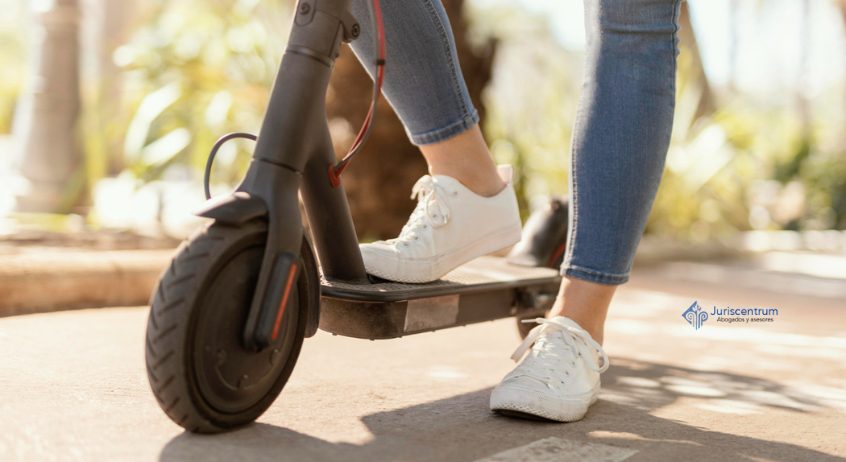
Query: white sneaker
point(558, 380)
point(450, 226)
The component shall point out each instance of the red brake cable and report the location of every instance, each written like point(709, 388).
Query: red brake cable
point(364, 132)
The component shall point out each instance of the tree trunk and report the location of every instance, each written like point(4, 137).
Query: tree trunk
point(113, 27)
point(379, 181)
point(49, 114)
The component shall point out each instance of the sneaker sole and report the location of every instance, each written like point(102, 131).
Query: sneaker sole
point(422, 271)
point(523, 415)
point(524, 411)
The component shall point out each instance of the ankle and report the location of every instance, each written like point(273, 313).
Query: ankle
point(586, 303)
point(485, 184)
point(466, 158)
point(593, 326)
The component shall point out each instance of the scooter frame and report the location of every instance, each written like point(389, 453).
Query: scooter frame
point(293, 155)
point(208, 371)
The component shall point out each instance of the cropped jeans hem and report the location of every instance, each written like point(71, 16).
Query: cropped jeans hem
point(590, 275)
point(467, 122)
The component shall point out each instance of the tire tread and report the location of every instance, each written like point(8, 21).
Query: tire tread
point(170, 309)
point(170, 315)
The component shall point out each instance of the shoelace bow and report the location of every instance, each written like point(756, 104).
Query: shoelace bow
point(431, 208)
point(553, 325)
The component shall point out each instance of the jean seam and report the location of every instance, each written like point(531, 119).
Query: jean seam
point(448, 49)
point(601, 277)
point(571, 242)
point(674, 51)
point(439, 134)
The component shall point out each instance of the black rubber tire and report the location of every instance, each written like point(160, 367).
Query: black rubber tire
point(181, 302)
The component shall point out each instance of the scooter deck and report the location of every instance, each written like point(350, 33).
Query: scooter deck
point(484, 289)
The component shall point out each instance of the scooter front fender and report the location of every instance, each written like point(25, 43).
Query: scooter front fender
point(234, 209)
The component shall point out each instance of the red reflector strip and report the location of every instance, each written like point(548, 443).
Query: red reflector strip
point(281, 310)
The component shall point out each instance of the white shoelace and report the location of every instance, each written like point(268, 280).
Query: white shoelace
point(576, 340)
point(431, 209)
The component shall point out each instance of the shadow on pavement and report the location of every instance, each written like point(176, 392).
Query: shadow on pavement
point(648, 386)
point(461, 428)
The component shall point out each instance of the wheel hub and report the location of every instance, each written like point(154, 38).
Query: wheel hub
point(232, 378)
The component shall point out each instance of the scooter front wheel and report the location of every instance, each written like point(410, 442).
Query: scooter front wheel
point(199, 370)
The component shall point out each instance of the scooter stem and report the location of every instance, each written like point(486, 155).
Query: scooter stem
point(294, 135)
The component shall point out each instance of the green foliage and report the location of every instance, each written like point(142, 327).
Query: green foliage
point(745, 165)
point(531, 100)
point(769, 171)
point(195, 71)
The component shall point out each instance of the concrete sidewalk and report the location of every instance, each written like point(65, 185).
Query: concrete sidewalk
point(42, 279)
point(73, 387)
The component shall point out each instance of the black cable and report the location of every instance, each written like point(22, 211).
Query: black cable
point(220, 142)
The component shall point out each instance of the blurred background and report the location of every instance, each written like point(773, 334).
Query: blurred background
point(108, 111)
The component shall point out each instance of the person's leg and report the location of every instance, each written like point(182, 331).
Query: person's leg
point(425, 86)
point(620, 142)
point(621, 138)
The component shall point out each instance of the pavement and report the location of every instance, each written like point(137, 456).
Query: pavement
point(43, 271)
point(73, 387)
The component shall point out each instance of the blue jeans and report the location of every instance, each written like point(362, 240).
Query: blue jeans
point(623, 124)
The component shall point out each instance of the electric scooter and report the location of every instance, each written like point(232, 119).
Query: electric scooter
point(229, 315)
